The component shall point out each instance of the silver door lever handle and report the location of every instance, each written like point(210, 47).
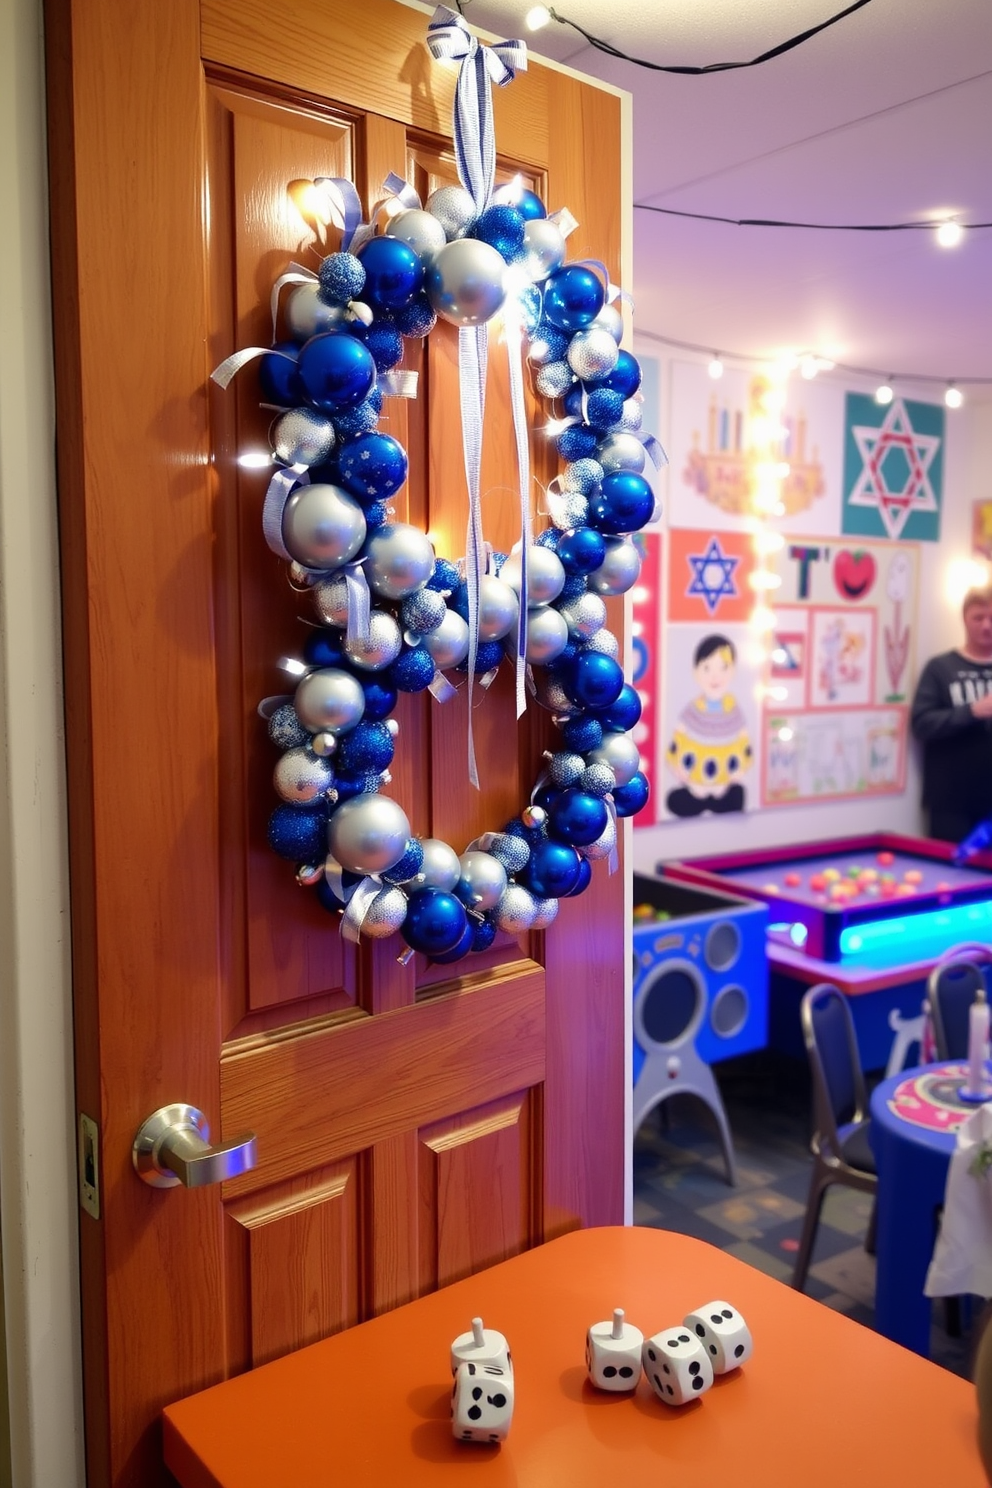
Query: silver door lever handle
point(173, 1146)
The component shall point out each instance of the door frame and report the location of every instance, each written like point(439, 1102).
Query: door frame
point(39, 1206)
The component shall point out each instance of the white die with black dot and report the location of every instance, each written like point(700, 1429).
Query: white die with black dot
point(481, 1403)
point(613, 1353)
point(677, 1365)
point(481, 1346)
point(723, 1333)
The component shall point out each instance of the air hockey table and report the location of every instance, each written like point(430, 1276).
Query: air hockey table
point(871, 913)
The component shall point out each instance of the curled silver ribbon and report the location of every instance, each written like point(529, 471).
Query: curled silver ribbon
point(281, 487)
point(359, 602)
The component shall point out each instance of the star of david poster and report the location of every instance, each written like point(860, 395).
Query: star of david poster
point(893, 468)
point(709, 575)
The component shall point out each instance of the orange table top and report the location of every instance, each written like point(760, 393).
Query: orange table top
point(822, 1402)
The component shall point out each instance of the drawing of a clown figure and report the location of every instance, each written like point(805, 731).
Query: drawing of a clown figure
point(710, 749)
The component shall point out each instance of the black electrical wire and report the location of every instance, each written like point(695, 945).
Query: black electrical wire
point(811, 226)
point(777, 51)
point(753, 357)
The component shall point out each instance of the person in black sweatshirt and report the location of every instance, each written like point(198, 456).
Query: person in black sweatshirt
point(952, 718)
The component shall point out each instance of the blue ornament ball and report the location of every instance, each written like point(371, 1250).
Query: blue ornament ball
point(394, 274)
point(365, 748)
point(625, 378)
point(573, 298)
point(459, 599)
point(445, 578)
point(584, 879)
point(623, 503)
point(416, 319)
point(385, 344)
point(323, 648)
point(299, 832)
point(621, 716)
point(548, 343)
point(594, 680)
point(413, 670)
point(327, 896)
point(278, 374)
point(435, 922)
point(372, 467)
point(483, 933)
point(380, 698)
point(579, 734)
point(488, 654)
point(581, 550)
point(502, 227)
point(342, 278)
point(530, 206)
point(351, 422)
point(531, 835)
point(572, 400)
point(408, 866)
point(348, 786)
point(336, 371)
point(548, 539)
point(571, 589)
point(577, 817)
point(285, 728)
point(604, 409)
point(529, 300)
point(376, 515)
point(460, 948)
point(576, 443)
point(629, 798)
point(552, 870)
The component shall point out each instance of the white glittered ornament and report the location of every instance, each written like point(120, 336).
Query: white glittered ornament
point(546, 914)
point(605, 642)
point(584, 616)
point(453, 208)
point(382, 645)
point(330, 597)
point(553, 379)
point(592, 353)
point(516, 910)
point(565, 769)
point(385, 914)
point(301, 776)
point(604, 844)
point(301, 436)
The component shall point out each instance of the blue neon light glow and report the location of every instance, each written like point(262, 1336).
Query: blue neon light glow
point(963, 921)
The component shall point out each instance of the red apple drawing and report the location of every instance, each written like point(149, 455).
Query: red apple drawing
point(854, 573)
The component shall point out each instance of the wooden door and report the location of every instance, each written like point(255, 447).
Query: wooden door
point(414, 1123)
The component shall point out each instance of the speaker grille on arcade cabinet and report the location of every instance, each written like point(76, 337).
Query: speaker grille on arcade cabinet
point(672, 1004)
point(728, 1011)
point(723, 945)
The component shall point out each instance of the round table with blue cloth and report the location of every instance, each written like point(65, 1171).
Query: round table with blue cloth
point(914, 1118)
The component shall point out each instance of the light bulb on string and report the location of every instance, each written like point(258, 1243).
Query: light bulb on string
point(884, 393)
point(715, 367)
point(953, 398)
point(949, 234)
point(539, 16)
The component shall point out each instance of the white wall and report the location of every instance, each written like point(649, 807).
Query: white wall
point(37, 1161)
point(968, 460)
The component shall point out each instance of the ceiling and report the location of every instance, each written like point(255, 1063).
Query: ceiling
point(885, 117)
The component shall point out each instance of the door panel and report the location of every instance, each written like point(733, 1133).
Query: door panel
point(415, 1122)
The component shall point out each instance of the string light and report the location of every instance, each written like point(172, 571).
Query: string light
point(715, 367)
point(884, 393)
point(953, 398)
point(538, 17)
point(954, 231)
point(950, 234)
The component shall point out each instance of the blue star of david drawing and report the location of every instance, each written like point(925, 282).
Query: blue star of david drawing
point(712, 575)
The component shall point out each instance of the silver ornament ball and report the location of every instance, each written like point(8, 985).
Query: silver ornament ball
point(322, 526)
point(498, 608)
point(385, 914)
point(324, 744)
point(582, 476)
point(419, 230)
point(544, 249)
point(453, 208)
point(547, 913)
point(441, 868)
point(569, 511)
point(605, 642)
point(400, 560)
point(603, 845)
point(550, 693)
point(621, 452)
point(309, 874)
point(554, 379)
point(423, 611)
point(584, 616)
point(516, 910)
point(620, 753)
point(482, 882)
point(465, 282)
point(512, 852)
point(592, 353)
point(329, 701)
point(448, 644)
point(382, 645)
point(307, 315)
point(330, 597)
point(301, 436)
point(620, 568)
point(547, 636)
point(597, 780)
point(565, 769)
point(545, 575)
point(533, 816)
point(609, 319)
point(633, 414)
point(368, 834)
point(300, 776)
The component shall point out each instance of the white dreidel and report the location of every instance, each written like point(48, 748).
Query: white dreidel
point(481, 1346)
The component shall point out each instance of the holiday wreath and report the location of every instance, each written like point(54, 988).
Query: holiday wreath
point(392, 616)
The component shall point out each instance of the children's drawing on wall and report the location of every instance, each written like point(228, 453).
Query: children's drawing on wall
point(899, 582)
point(981, 529)
point(710, 748)
point(843, 644)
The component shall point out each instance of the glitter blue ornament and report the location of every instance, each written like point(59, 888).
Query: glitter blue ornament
point(573, 298)
point(376, 515)
point(416, 319)
point(445, 578)
point(394, 275)
point(372, 467)
point(286, 730)
point(483, 933)
point(299, 832)
point(625, 378)
point(594, 680)
point(435, 922)
point(385, 344)
point(502, 227)
point(577, 817)
point(579, 734)
point(348, 786)
point(548, 539)
point(423, 612)
point(380, 698)
point(604, 409)
point(581, 550)
point(553, 870)
point(576, 443)
point(629, 798)
point(408, 866)
point(488, 655)
point(413, 670)
point(365, 748)
point(548, 343)
point(342, 278)
point(583, 881)
point(336, 371)
point(278, 374)
point(571, 589)
point(351, 422)
point(459, 599)
point(621, 716)
point(509, 850)
point(530, 835)
point(623, 503)
point(461, 947)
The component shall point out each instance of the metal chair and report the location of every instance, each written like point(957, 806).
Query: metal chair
point(951, 990)
point(840, 1146)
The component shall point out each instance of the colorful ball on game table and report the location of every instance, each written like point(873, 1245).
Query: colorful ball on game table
point(435, 922)
point(885, 859)
point(394, 274)
point(818, 883)
point(573, 297)
point(792, 880)
point(336, 371)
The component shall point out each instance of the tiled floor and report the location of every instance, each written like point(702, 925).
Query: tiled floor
point(680, 1184)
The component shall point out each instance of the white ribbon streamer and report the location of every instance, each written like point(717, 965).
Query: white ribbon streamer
point(281, 487)
point(514, 353)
